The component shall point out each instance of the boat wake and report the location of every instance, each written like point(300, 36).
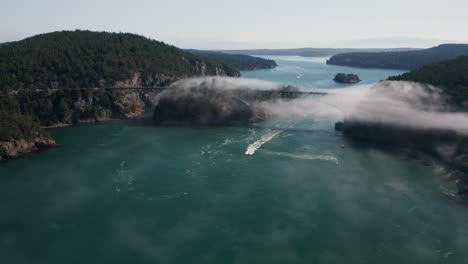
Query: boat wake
point(252, 148)
point(123, 180)
point(306, 157)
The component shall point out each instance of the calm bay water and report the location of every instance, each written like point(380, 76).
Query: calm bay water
point(312, 73)
point(126, 193)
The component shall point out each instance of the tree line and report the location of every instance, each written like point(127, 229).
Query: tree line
point(451, 76)
point(241, 62)
point(44, 78)
point(406, 60)
point(82, 59)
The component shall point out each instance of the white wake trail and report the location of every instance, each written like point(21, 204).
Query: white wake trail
point(306, 157)
point(252, 148)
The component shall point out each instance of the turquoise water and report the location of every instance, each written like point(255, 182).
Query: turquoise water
point(310, 73)
point(130, 193)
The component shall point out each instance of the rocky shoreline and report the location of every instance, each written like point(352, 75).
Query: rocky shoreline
point(126, 105)
point(446, 170)
point(22, 147)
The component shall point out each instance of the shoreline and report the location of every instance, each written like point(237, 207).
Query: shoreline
point(20, 148)
point(441, 168)
point(23, 148)
point(66, 125)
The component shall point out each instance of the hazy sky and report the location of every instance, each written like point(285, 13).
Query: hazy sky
point(211, 24)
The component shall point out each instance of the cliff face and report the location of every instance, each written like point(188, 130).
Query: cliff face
point(57, 108)
point(90, 107)
point(18, 148)
point(129, 104)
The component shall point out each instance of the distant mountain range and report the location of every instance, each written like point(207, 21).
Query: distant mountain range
point(241, 62)
point(308, 52)
point(406, 60)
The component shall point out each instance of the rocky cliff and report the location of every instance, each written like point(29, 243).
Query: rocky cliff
point(124, 104)
point(61, 108)
point(22, 147)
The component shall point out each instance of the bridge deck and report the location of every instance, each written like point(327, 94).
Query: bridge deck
point(266, 92)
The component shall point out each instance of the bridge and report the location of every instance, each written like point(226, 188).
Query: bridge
point(250, 93)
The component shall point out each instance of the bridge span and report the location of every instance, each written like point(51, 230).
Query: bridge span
point(252, 93)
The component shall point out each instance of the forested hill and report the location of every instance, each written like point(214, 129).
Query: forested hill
point(71, 59)
point(451, 76)
point(406, 60)
point(241, 62)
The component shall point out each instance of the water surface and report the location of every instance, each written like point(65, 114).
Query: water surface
point(313, 73)
point(126, 193)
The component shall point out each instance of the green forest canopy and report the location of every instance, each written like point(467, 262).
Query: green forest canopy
point(241, 62)
point(82, 59)
point(14, 124)
point(451, 76)
point(406, 60)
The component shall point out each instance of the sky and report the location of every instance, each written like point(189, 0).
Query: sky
point(244, 24)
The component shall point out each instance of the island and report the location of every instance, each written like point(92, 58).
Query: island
point(346, 78)
point(404, 60)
